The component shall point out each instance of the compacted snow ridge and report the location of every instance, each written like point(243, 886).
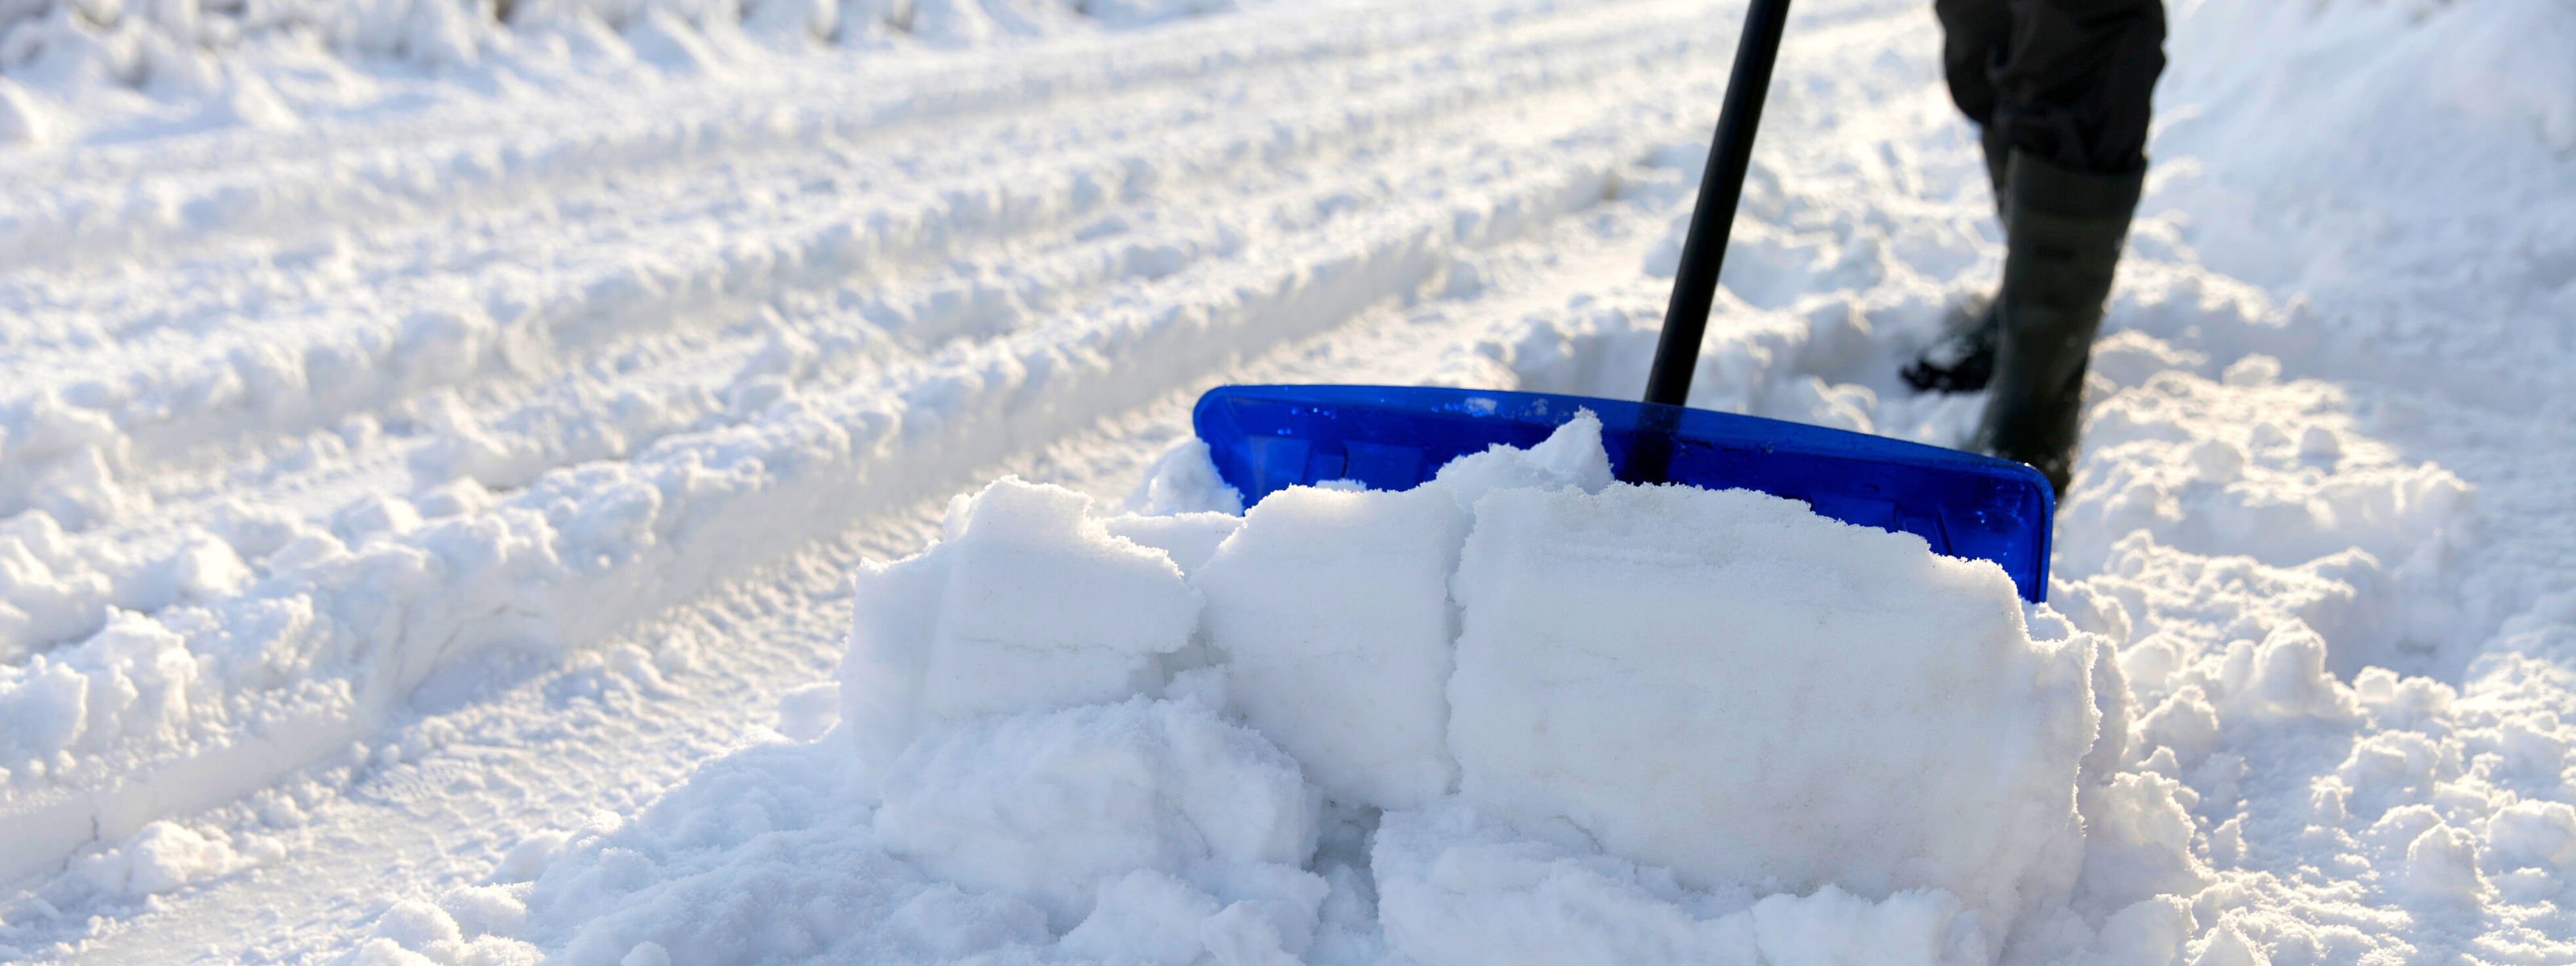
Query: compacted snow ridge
point(651, 483)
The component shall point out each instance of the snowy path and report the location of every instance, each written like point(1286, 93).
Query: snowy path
point(902, 302)
point(671, 287)
point(497, 436)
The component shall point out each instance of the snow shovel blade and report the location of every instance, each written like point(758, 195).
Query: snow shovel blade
point(1267, 438)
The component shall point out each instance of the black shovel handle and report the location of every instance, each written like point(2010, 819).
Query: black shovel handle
point(1720, 187)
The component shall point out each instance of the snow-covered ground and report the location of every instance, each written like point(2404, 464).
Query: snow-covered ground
point(460, 485)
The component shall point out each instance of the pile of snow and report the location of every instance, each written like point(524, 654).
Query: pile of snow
point(2311, 513)
point(1518, 714)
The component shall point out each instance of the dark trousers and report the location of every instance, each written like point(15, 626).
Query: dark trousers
point(2063, 80)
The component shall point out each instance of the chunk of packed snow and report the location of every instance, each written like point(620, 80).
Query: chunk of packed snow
point(1332, 611)
point(1027, 604)
point(1726, 684)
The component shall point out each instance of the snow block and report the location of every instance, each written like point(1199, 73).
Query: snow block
point(1332, 608)
point(1027, 604)
point(1724, 684)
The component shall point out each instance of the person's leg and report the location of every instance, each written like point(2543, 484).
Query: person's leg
point(1975, 35)
point(2073, 103)
point(2074, 86)
point(2066, 233)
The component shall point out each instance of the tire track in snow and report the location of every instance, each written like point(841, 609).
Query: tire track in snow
point(659, 386)
point(186, 195)
point(429, 310)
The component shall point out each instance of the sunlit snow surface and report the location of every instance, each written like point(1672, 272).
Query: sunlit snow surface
point(437, 458)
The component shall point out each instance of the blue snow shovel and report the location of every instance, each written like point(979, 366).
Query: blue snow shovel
point(1267, 438)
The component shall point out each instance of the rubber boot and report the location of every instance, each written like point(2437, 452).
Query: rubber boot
point(1964, 359)
point(2064, 240)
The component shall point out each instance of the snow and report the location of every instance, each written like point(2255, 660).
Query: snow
point(436, 448)
point(1074, 808)
point(1028, 604)
point(1049, 807)
point(1185, 833)
point(162, 857)
point(1461, 889)
point(566, 556)
point(1571, 457)
point(118, 69)
point(1728, 686)
point(1331, 611)
point(1189, 539)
